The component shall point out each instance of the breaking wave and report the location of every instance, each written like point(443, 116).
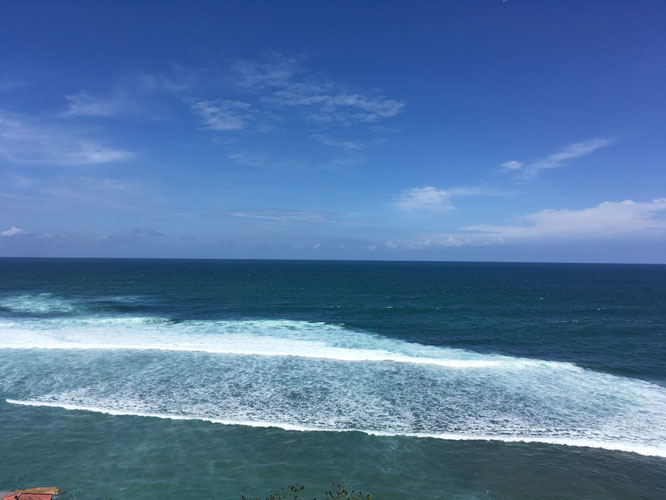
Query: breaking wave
point(250, 337)
point(309, 376)
point(647, 450)
point(42, 303)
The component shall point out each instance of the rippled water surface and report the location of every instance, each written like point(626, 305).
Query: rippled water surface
point(135, 378)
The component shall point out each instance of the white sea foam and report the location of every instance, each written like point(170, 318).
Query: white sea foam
point(39, 303)
point(647, 450)
point(255, 338)
point(309, 376)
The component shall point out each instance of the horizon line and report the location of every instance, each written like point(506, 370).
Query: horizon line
point(256, 259)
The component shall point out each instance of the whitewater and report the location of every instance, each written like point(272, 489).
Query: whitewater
point(313, 376)
point(136, 378)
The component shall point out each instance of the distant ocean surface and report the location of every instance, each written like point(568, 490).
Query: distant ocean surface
point(130, 379)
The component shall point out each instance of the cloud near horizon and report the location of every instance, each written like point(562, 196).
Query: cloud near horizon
point(135, 235)
point(644, 221)
point(11, 232)
point(606, 220)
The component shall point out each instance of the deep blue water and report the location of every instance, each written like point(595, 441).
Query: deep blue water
point(134, 378)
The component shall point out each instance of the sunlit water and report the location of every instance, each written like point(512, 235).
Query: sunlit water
point(139, 378)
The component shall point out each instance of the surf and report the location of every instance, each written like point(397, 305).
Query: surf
point(646, 450)
point(313, 377)
point(511, 400)
point(244, 337)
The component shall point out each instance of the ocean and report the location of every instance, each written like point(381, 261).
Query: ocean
point(132, 379)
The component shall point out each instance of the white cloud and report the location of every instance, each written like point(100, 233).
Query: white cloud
point(99, 185)
point(83, 104)
point(22, 141)
point(608, 220)
point(146, 232)
point(531, 169)
point(444, 240)
point(511, 165)
point(346, 145)
point(90, 153)
point(178, 79)
point(285, 215)
point(136, 235)
point(425, 198)
point(261, 160)
point(223, 115)
point(16, 232)
point(429, 198)
point(283, 82)
point(134, 94)
point(265, 160)
point(12, 231)
point(54, 194)
point(256, 76)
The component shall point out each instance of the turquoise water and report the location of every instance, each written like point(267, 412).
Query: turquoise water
point(139, 378)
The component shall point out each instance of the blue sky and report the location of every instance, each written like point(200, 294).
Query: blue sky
point(477, 130)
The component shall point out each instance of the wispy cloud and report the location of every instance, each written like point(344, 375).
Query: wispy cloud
point(142, 95)
point(11, 232)
point(23, 141)
point(121, 243)
point(224, 115)
point(531, 169)
point(339, 162)
point(262, 160)
point(444, 240)
point(108, 185)
point(279, 71)
point(177, 79)
point(267, 160)
point(20, 193)
point(282, 81)
point(278, 94)
point(89, 153)
point(345, 145)
point(17, 233)
point(624, 220)
point(429, 198)
point(345, 108)
point(425, 198)
point(84, 104)
point(137, 234)
point(285, 215)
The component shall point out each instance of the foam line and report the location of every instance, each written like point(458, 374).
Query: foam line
point(575, 442)
point(330, 353)
point(42, 303)
point(246, 337)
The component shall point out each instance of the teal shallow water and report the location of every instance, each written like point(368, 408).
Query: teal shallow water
point(141, 377)
point(100, 456)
